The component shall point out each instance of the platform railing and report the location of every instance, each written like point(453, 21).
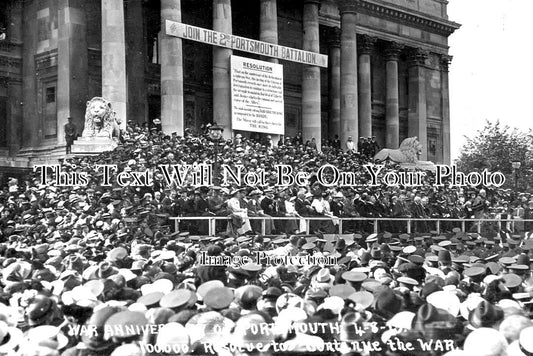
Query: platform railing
point(410, 223)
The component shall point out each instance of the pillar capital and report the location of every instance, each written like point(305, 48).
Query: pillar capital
point(445, 62)
point(365, 44)
point(417, 57)
point(334, 36)
point(392, 51)
point(346, 6)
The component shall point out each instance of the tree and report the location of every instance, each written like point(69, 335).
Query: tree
point(495, 147)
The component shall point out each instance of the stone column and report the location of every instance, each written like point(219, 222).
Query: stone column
point(171, 59)
point(268, 32)
point(365, 48)
point(135, 61)
point(392, 115)
point(445, 95)
point(31, 118)
point(349, 109)
point(14, 25)
point(221, 68)
point(114, 58)
point(14, 85)
point(334, 81)
point(73, 66)
point(417, 117)
point(14, 116)
point(268, 24)
point(311, 109)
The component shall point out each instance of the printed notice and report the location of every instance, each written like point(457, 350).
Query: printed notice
point(257, 96)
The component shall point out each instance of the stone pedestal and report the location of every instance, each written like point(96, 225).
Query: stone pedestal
point(93, 145)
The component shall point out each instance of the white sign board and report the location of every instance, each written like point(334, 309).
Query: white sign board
point(257, 96)
point(243, 44)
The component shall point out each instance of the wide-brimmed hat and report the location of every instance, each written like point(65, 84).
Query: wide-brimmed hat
point(362, 299)
point(387, 303)
point(174, 337)
point(428, 314)
point(335, 304)
point(47, 336)
point(485, 341)
point(485, 315)
point(353, 328)
point(93, 334)
point(341, 290)
point(248, 334)
point(207, 286)
point(218, 298)
point(524, 345)
point(10, 338)
point(323, 277)
point(209, 326)
point(445, 300)
point(126, 324)
point(469, 304)
point(178, 298)
point(287, 300)
point(512, 326)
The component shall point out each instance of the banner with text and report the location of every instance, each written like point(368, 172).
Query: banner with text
point(243, 44)
point(257, 96)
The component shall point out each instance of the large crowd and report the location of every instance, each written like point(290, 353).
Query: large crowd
point(102, 270)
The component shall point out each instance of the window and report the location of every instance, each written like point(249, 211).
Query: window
point(50, 95)
point(50, 111)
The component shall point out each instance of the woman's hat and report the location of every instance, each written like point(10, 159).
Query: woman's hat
point(10, 338)
point(485, 315)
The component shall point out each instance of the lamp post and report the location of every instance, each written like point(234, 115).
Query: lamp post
point(516, 166)
point(215, 134)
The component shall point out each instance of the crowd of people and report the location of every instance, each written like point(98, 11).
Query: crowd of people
point(93, 269)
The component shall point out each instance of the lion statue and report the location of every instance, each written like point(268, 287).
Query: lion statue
point(100, 119)
point(407, 154)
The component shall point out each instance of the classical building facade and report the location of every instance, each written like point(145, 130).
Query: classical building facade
point(387, 73)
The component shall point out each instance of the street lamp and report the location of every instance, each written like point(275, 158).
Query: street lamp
point(516, 166)
point(215, 134)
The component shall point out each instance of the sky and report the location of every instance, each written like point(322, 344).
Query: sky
point(491, 74)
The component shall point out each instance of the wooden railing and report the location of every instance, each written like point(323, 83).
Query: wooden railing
point(410, 223)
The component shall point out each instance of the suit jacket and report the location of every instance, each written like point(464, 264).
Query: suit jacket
point(301, 207)
point(268, 206)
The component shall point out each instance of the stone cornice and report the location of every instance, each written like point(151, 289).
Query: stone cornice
point(46, 59)
point(8, 61)
point(6, 79)
point(399, 14)
point(407, 16)
point(8, 46)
